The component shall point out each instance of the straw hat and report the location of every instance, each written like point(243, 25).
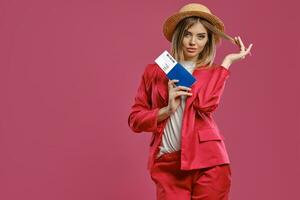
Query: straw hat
point(192, 9)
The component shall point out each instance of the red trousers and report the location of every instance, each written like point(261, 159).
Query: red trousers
point(172, 183)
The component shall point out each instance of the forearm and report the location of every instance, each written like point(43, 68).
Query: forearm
point(163, 113)
point(208, 97)
point(226, 63)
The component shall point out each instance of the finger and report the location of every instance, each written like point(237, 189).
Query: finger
point(237, 42)
point(180, 93)
point(249, 48)
point(171, 83)
point(173, 80)
point(242, 44)
point(183, 88)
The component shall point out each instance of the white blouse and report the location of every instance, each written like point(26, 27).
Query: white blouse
point(171, 139)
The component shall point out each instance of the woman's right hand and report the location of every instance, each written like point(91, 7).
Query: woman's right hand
point(174, 94)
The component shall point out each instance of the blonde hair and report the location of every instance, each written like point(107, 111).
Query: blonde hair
point(207, 56)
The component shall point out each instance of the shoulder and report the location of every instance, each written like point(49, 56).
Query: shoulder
point(212, 71)
point(149, 72)
point(150, 68)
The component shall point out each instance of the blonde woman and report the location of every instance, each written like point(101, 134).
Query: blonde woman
point(187, 157)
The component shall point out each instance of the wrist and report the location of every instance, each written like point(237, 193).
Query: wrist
point(168, 110)
point(226, 63)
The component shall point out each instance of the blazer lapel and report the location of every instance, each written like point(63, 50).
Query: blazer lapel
point(195, 88)
point(190, 99)
point(162, 85)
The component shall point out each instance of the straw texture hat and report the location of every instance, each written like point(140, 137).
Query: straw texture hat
point(192, 9)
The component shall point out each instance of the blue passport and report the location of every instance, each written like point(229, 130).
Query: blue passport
point(174, 70)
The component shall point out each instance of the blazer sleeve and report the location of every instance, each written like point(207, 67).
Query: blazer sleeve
point(142, 118)
point(209, 95)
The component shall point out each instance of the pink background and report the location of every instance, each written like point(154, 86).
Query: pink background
point(69, 73)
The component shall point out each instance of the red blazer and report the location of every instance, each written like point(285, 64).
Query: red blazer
point(202, 143)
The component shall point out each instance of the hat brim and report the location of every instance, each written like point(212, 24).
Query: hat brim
point(171, 23)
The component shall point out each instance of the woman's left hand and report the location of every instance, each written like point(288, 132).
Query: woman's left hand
point(231, 58)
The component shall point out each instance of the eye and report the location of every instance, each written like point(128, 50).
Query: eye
point(186, 33)
point(201, 36)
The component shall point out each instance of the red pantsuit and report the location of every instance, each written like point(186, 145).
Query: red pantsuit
point(201, 167)
point(172, 183)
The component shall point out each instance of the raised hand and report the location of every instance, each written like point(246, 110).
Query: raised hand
point(233, 57)
point(174, 94)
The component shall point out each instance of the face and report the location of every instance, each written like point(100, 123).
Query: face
point(194, 41)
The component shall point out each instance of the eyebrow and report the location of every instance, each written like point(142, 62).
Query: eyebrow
point(197, 34)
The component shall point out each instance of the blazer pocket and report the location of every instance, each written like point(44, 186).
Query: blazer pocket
point(209, 134)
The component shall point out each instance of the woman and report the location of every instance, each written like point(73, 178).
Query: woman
point(187, 158)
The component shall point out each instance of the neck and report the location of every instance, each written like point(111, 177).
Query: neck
point(189, 61)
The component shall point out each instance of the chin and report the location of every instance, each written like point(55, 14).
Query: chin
point(190, 56)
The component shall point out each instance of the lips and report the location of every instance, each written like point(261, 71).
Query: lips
point(191, 50)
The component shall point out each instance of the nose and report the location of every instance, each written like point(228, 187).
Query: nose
point(192, 40)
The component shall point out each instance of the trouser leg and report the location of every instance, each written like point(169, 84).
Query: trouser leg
point(171, 182)
point(212, 183)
